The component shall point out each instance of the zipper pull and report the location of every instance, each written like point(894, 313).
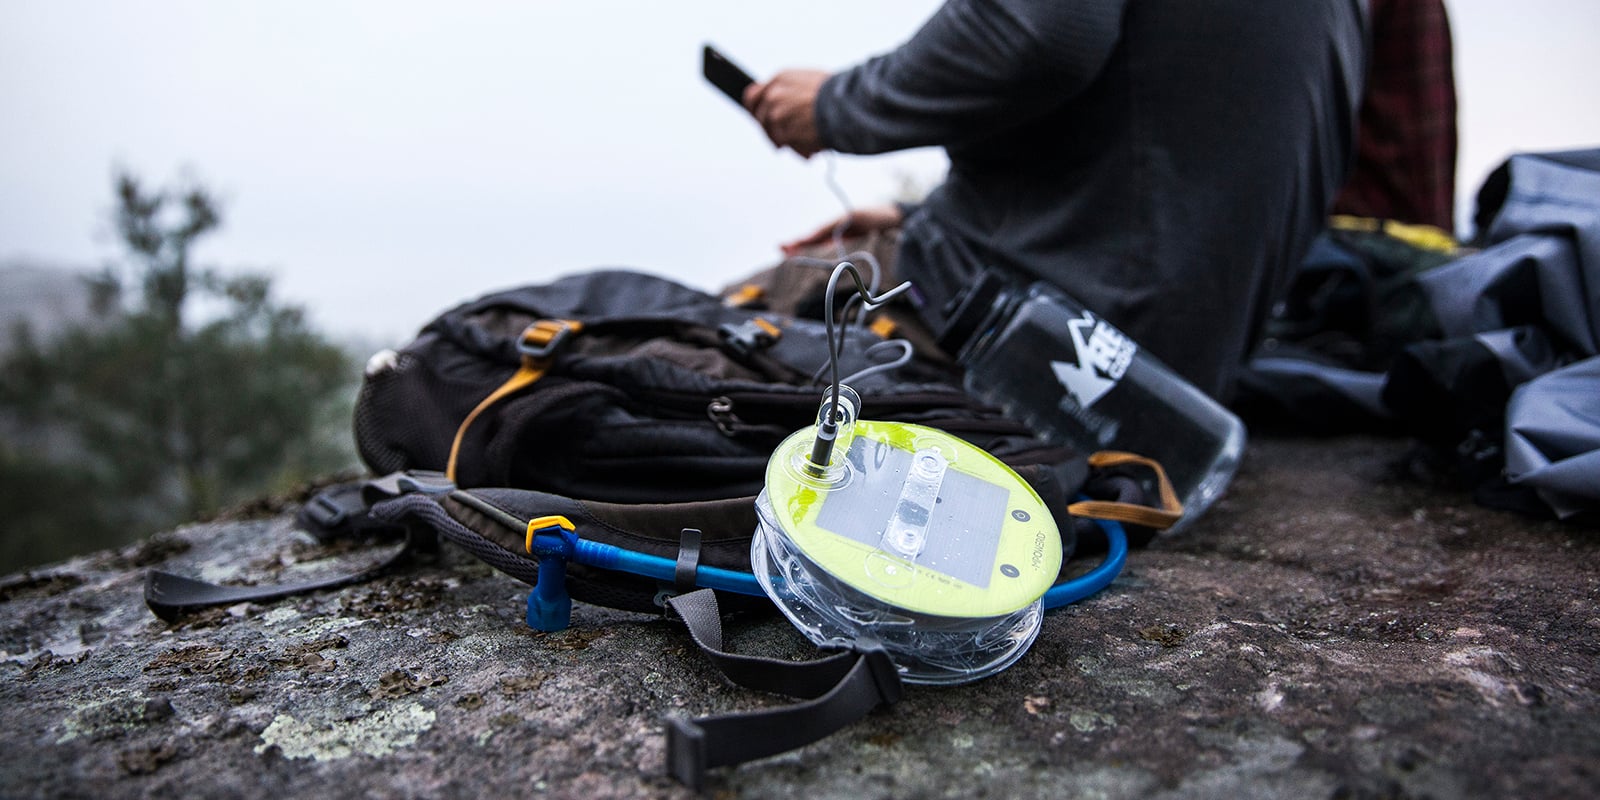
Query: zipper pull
point(720, 410)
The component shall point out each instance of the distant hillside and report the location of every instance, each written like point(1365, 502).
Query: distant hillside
point(44, 298)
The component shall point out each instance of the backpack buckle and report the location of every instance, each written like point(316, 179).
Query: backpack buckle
point(754, 334)
point(542, 338)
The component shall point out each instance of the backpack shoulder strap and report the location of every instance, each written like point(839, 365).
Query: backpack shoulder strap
point(537, 345)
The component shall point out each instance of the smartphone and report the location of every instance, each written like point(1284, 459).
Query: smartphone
point(725, 75)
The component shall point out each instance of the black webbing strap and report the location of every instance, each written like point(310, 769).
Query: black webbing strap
point(170, 596)
point(335, 512)
point(840, 689)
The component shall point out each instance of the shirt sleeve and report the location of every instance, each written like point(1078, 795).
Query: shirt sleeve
point(974, 68)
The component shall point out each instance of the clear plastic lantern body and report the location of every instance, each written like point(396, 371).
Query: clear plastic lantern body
point(911, 539)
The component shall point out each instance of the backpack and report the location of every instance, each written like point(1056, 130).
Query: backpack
point(555, 431)
point(651, 406)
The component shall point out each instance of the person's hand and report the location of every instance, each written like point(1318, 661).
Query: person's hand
point(857, 223)
point(786, 108)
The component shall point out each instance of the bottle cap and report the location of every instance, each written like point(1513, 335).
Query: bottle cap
point(972, 307)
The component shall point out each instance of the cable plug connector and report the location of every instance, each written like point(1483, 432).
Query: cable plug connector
point(836, 420)
point(822, 447)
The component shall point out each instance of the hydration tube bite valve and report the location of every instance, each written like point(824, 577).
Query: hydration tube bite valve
point(555, 542)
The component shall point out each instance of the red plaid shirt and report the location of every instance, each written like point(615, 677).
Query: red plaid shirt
point(1405, 166)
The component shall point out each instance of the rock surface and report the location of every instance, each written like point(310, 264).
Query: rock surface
point(1327, 631)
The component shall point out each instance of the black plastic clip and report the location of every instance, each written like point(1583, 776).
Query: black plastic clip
point(754, 334)
point(330, 510)
point(683, 576)
point(686, 752)
point(542, 338)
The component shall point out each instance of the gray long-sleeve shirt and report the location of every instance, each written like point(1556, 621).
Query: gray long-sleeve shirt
point(1164, 161)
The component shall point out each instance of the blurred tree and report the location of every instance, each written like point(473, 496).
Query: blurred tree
point(200, 393)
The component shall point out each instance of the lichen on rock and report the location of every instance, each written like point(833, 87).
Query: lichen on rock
point(378, 734)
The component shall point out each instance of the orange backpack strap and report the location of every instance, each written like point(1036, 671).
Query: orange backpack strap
point(538, 345)
point(1162, 518)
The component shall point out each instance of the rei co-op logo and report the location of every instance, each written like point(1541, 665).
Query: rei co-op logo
point(1103, 356)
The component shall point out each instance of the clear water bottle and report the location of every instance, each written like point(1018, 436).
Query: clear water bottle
point(1072, 377)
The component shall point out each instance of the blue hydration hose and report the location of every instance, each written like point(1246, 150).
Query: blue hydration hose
point(1091, 582)
point(550, 608)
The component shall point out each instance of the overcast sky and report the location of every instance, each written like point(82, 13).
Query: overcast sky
point(385, 160)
